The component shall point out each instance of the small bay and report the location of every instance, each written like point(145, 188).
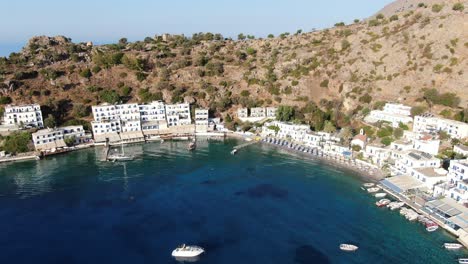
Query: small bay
point(261, 205)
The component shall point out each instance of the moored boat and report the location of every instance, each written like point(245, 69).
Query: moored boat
point(185, 251)
point(380, 195)
point(463, 260)
point(452, 245)
point(431, 226)
point(382, 202)
point(348, 247)
point(368, 185)
point(373, 189)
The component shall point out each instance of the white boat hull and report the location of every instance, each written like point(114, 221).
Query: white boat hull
point(187, 252)
point(453, 246)
point(348, 247)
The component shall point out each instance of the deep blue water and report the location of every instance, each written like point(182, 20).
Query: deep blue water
point(260, 206)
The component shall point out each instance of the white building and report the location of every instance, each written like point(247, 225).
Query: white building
point(457, 180)
point(461, 150)
point(27, 115)
point(398, 109)
point(312, 139)
point(378, 154)
point(49, 138)
point(427, 144)
point(415, 159)
point(295, 132)
point(401, 145)
point(153, 116)
point(242, 113)
point(430, 124)
point(359, 140)
point(258, 112)
point(76, 132)
point(201, 120)
point(105, 127)
point(392, 113)
point(154, 111)
point(178, 114)
point(271, 112)
point(429, 176)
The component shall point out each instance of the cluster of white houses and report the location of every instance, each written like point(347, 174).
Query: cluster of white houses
point(411, 160)
point(256, 114)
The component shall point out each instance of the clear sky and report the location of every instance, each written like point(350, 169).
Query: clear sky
point(105, 21)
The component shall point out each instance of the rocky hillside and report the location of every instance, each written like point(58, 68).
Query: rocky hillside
point(413, 52)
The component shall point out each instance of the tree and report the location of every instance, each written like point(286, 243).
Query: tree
point(346, 134)
point(356, 148)
point(394, 18)
point(329, 127)
point(398, 133)
point(241, 36)
point(386, 141)
point(5, 100)
point(109, 96)
point(17, 142)
point(123, 42)
point(271, 36)
point(284, 113)
point(70, 141)
point(50, 121)
point(274, 128)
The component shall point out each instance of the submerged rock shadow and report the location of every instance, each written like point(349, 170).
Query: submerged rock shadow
point(307, 254)
point(264, 190)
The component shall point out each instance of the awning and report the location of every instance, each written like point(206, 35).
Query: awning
point(400, 184)
point(460, 220)
point(447, 206)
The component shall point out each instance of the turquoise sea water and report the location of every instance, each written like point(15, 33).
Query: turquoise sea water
point(259, 206)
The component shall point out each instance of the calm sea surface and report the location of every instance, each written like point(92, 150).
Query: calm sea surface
point(259, 206)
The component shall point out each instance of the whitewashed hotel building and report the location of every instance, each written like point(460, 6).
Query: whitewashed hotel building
point(49, 138)
point(392, 113)
point(415, 159)
point(28, 115)
point(178, 114)
point(201, 120)
point(428, 123)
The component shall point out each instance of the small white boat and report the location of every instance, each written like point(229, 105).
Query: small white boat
point(368, 185)
point(185, 251)
point(452, 245)
point(432, 228)
point(463, 260)
point(382, 202)
point(233, 152)
point(380, 195)
point(373, 189)
point(348, 247)
point(395, 205)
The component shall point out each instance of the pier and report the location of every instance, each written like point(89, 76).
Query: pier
point(238, 147)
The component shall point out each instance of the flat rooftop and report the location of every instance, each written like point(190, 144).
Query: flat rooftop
point(432, 172)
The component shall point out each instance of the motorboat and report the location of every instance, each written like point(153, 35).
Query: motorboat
point(380, 195)
point(348, 247)
point(382, 202)
point(234, 151)
point(192, 146)
point(368, 185)
point(373, 189)
point(431, 226)
point(463, 260)
point(184, 251)
point(395, 205)
point(452, 245)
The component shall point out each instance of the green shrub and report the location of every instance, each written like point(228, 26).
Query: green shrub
point(365, 98)
point(437, 8)
point(141, 76)
point(394, 18)
point(86, 73)
point(458, 7)
point(324, 83)
point(418, 110)
point(285, 113)
point(386, 141)
point(109, 96)
point(96, 69)
point(5, 100)
point(245, 93)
